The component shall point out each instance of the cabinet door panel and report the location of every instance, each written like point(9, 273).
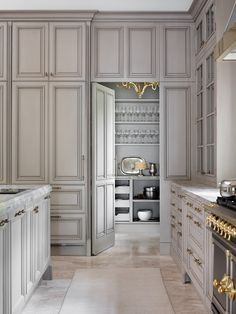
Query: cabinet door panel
point(30, 51)
point(4, 266)
point(142, 52)
point(67, 51)
point(3, 132)
point(67, 132)
point(68, 229)
point(29, 132)
point(108, 52)
point(177, 104)
point(110, 227)
point(3, 51)
point(176, 52)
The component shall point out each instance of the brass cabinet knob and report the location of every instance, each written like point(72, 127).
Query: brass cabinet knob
point(172, 216)
point(173, 225)
point(226, 286)
point(36, 210)
point(4, 222)
point(180, 210)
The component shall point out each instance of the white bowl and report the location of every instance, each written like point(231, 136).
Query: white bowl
point(144, 214)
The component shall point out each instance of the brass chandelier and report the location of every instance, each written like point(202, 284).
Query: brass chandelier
point(139, 87)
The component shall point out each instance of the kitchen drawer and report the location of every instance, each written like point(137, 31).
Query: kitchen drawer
point(173, 231)
point(196, 269)
point(68, 229)
point(68, 198)
point(122, 190)
point(122, 217)
point(122, 203)
point(196, 233)
point(198, 210)
point(179, 242)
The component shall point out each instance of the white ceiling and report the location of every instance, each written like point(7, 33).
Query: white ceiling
point(101, 5)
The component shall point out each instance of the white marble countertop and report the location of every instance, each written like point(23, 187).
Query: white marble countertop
point(31, 193)
point(198, 190)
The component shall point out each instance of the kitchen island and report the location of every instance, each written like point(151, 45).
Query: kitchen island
point(24, 243)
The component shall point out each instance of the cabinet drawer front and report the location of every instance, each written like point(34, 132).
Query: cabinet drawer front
point(72, 200)
point(68, 229)
point(3, 131)
point(196, 233)
point(196, 271)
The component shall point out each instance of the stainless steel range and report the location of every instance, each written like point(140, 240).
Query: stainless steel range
point(224, 268)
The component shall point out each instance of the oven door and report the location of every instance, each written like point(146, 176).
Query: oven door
point(224, 265)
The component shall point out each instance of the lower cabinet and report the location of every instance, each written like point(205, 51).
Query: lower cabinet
point(24, 253)
point(191, 247)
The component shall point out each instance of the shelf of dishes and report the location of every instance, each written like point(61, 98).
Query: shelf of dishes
point(135, 112)
point(137, 136)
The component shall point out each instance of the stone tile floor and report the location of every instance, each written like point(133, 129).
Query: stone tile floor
point(131, 251)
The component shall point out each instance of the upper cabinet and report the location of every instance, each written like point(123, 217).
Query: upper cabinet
point(30, 47)
point(123, 50)
point(108, 52)
point(176, 52)
point(3, 51)
point(141, 50)
point(67, 51)
point(205, 27)
point(3, 132)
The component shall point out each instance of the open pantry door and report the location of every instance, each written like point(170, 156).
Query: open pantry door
point(103, 168)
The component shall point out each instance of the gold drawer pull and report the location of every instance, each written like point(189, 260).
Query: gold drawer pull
point(172, 204)
point(56, 217)
point(179, 209)
point(179, 233)
point(172, 191)
point(173, 225)
point(189, 216)
point(20, 212)
point(198, 210)
point(56, 188)
point(47, 197)
point(197, 261)
point(172, 216)
point(189, 251)
point(180, 223)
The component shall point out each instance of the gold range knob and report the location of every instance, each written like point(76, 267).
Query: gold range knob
point(226, 286)
point(222, 227)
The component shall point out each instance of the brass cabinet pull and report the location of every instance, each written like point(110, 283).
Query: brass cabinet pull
point(197, 261)
point(221, 226)
point(4, 222)
point(179, 233)
point(189, 217)
point(180, 223)
point(189, 204)
point(172, 191)
point(82, 165)
point(56, 188)
point(172, 204)
point(56, 217)
point(198, 210)
point(189, 251)
point(47, 197)
point(173, 225)
point(181, 196)
point(180, 210)
point(36, 210)
point(172, 216)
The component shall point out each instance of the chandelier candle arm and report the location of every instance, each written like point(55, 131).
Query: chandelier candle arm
point(139, 87)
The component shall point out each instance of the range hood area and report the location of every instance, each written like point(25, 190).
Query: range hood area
point(226, 48)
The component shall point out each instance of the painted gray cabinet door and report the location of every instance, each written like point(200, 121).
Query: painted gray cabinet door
point(141, 51)
point(103, 185)
point(176, 52)
point(67, 133)
point(3, 51)
point(107, 51)
point(4, 265)
point(67, 51)
point(29, 132)
point(3, 132)
point(30, 51)
point(177, 123)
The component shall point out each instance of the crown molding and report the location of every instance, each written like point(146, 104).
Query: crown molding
point(196, 8)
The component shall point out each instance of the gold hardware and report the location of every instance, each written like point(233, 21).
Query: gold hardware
point(179, 209)
point(56, 217)
point(47, 197)
point(189, 204)
point(139, 87)
point(197, 261)
point(46, 73)
point(189, 251)
point(179, 223)
point(56, 188)
point(20, 212)
point(225, 229)
point(173, 204)
point(189, 216)
point(226, 286)
point(172, 191)
point(173, 225)
point(51, 74)
point(3, 222)
point(211, 205)
point(181, 196)
point(36, 209)
point(198, 210)
point(172, 216)
point(179, 233)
